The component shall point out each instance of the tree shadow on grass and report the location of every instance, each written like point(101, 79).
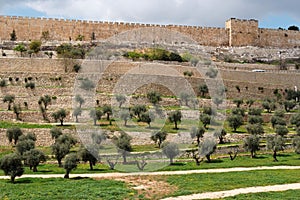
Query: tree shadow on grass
point(178, 164)
point(153, 128)
point(45, 171)
point(283, 155)
point(22, 181)
point(97, 170)
point(79, 178)
point(260, 157)
point(214, 161)
point(239, 132)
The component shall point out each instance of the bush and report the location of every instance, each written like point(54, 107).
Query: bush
point(87, 84)
point(35, 46)
point(154, 54)
point(76, 68)
point(30, 85)
point(3, 83)
point(188, 73)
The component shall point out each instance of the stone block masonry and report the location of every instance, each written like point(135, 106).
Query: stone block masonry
point(235, 33)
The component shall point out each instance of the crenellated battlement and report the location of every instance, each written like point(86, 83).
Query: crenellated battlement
point(237, 32)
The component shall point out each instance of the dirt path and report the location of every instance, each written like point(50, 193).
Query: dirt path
point(139, 183)
point(117, 174)
point(230, 193)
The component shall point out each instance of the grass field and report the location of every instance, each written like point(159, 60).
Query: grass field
point(199, 183)
point(286, 195)
point(86, 188)
point(291, 159)
point(6, 125)
point(81, 188)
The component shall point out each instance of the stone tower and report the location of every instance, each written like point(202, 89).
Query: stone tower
point(242, 32)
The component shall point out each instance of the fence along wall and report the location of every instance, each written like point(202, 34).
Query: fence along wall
point(235, 33)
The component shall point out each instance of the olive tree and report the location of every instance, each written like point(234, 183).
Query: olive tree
point(9, 99)
point(137, 110)
point(62, 147)
point(147, 117)
point(60, 115)
point(252, 119)
point(13, 134)
point(203, 90)
point(25, 145)
point(255, 129)
point(55, 133)
point(35, 46)
point(289, 105)
point(205, 119)
point(295, 120)
point(98, 137)
point(238, 102)
point(125, 116)
point(197, 133)
point(296, 144)
point(251, 143)
point(281, 130)
point(171, 150)
point(212, 72)
point(79, 100)
point(207, 147)
point(123, 143)
point(185, 97)
point(17, 110)
point(107, 109)
point(87, 84)
point(249, 102)
point(269, 105)
point(159, 137)
point(33, 158)
point(235, 121)
point(220, 135)
point(96, 115)
point(77, 112)
point(121, 99)
point(175, 117)
point(275, 143)
point(46, 100)
point(12, 166)
point(154, 97)
point(70, 163)
point(89, 154)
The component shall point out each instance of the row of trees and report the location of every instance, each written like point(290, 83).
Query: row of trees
point(26, 153)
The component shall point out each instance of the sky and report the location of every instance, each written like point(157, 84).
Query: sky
point(209, 13)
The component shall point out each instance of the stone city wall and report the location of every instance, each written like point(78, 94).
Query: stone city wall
point(235, 33)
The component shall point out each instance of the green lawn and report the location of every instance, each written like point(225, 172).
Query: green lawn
point(200, 183)
point(286, 195)
point(5, 125)
point(291, 159)
point(80, 188)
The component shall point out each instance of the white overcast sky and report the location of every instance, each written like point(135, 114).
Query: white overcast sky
point(214, 13)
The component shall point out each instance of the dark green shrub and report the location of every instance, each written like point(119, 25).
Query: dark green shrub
point(76, 68)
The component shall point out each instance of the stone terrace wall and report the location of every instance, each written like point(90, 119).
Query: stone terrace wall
point(31, 65)
point(287, 80)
